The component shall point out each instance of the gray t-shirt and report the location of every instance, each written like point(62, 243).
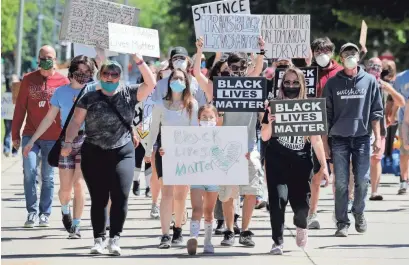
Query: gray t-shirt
point(102, 126)
point(248, 119)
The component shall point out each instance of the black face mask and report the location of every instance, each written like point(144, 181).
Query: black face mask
point(291, 92)
point(282, 66)
point(384, 73)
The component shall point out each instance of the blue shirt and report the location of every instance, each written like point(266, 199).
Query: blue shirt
point(402, 86)
point(64, 98)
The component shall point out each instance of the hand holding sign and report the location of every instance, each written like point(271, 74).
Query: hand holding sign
point(137, 58)
point(199, 44)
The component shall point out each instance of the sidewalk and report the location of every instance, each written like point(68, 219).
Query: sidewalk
point(385, 243)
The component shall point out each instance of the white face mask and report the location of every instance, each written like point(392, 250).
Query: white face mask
point(166, 73)
point(180, 64)
point(207, 123)
point(351, 62)
point(323, 59)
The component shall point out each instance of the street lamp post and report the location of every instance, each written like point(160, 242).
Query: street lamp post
point(40, 25)
point(19, 40)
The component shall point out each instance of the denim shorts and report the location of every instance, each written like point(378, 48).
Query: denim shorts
point(208, 188)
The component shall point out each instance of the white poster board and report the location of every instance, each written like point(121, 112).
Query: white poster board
point(7, 106)
point(230, 33)
point(81, 49)
point(128, 39)
point(286, 36)
point(220, 7)
point(197, 155)
point(86, 21)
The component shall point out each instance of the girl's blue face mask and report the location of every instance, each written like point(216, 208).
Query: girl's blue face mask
point(177, 86)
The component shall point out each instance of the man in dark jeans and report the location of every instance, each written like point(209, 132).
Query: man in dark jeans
point(354, 108)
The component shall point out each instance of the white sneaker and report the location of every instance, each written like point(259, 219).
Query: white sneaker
point(113, 246)
point(155, 213)
point(208, 249)
point(99, 246)
point(301, 237)
point(276, 249)
point(313, 222)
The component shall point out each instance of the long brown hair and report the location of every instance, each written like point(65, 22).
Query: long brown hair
point(301, 79)
point(187, 97)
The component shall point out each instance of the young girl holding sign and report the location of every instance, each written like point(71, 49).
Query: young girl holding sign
point(288, 167)
point(203, 197)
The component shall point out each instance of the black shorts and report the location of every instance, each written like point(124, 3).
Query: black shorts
point(158, 158)
point(139, 155)
point(316, 163)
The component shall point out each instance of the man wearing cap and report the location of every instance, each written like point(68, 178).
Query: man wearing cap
point(354, 110)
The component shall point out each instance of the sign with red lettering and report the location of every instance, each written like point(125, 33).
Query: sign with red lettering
point(302, 117)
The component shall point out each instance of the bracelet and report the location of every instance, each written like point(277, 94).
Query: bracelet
point(140, 62)
point(67, 142)
point(262, 52)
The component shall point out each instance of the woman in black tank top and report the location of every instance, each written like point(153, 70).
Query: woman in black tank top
point(288, 167)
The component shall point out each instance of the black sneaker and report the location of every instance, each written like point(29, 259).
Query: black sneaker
point(177, 238)
point(228, 239)
point(148, 193)
point(236, 227)
point(135, 189)
point(246, 239)
point(165, 242)
point(342, 230)
point(75, 233)
point(220, 227)
point(67, 221)
point(360, 223)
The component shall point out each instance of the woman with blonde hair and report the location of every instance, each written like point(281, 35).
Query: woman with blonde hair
point(289, 166)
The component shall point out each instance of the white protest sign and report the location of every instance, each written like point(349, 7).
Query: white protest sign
point(86, 21)
point(220, 7)
point(81, 49)
point(229, 33)
point(128, 39)
point(7, 106)
point(286, 36)
point(197, 155)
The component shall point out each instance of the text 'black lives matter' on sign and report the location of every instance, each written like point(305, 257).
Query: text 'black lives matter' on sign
point(229, 33)
point(311, 80)
point(302, 117)
point(286, 36)
point(219, 7)
point(239, 94)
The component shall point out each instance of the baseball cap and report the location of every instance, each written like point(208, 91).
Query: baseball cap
point(180, 51)
point(348, 45)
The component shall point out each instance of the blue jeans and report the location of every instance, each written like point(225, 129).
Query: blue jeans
point(345, 149)
point(30, 174)
point(7, 138)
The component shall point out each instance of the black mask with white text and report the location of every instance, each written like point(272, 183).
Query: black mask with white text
point(291, 92)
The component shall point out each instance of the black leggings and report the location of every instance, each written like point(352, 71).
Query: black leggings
point(108, 173)
point(287, 180)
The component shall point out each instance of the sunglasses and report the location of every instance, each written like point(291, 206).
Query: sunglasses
point(375, 67)
point(114, 75)
point(236, 68)
point(289, 83)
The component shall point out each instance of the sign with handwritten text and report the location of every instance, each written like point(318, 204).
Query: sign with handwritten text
point(220, 7)
point(128, 39)
point(311, 80)
point(286, 36)
point(197, 155)
point(230, 33)
point(86, 21)
point(7, 106)
point(301, 117)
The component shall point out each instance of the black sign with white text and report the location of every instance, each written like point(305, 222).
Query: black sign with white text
point(311, 79)
point(239, 94)
point(302, 117)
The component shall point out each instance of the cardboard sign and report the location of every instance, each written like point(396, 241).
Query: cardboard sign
point(230, 33)
point(86, 21)
point(7, 106)
point(239, 94)
point(364, 32)
point(205, 155)
point(128, 39)
point(286, 36)
point(81, 49)
point(311, 81)
point(299, 117)
point(143, 120)
point(220, 7)
point(15, 88)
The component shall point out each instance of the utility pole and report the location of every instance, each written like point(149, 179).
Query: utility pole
point(56, 8)
point(19, 40)
point(39, 25)
point(126, 60)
